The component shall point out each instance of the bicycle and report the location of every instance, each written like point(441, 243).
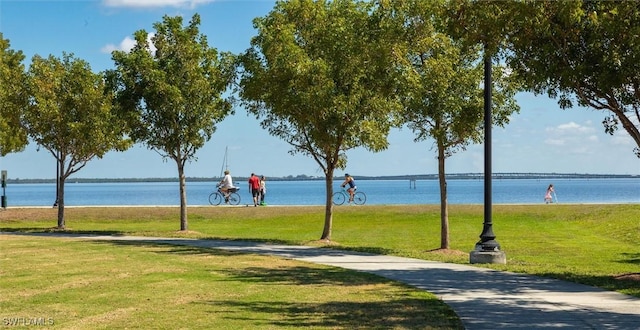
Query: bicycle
point(359, 198)
point(233, 198)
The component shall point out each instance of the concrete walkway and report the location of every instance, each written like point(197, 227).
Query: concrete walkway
point(482, 298)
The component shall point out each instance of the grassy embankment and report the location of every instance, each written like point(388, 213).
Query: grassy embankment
point(115, 284)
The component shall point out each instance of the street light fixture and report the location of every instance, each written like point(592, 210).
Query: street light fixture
point(487, 250)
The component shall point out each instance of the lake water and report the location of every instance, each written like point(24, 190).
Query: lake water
point(505, 191)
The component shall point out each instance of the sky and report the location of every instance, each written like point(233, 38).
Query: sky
point(541, 138)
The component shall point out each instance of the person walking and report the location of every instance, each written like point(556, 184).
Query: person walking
point(263, 190)
point(254, 188)
point(548, 196)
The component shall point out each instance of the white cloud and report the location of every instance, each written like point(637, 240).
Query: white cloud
point(127, 44)
point(570, 133)
point(572, 138)
point(571, 128)
point(154, 3)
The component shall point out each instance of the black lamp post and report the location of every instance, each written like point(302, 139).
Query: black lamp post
point(3, 198)
point(487, 250)
point(487, 238)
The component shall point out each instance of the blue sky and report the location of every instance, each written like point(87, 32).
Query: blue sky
point(542, 138)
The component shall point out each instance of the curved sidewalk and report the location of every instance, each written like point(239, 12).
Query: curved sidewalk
point(482, 298)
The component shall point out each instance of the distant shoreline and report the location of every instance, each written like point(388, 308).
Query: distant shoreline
point(454, 176)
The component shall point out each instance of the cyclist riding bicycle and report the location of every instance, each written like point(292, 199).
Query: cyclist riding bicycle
point(226, 185)
point(348, 180)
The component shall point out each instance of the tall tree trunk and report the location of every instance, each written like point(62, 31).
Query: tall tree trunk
point(328, 210)
point(444, 206)
point(60, 193)
point(183, 197)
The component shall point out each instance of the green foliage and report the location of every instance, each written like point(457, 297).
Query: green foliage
point(70, 115)
point(70, 111)
point(319, 76)
point(171, 90)
point(441, 84)
point(13, 98)
point(584, 51)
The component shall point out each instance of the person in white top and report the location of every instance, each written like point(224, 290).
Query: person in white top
point(226, 184)
point(263, 190)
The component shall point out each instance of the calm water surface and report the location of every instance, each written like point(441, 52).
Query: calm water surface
point(505, 191)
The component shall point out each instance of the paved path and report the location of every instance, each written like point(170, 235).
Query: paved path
point(482, 298)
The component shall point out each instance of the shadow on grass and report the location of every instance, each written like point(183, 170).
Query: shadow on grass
point(630, 258)
point(299, 275)
point(170, 249)
point(61, 232)
point(192, 235)
point(402, 313)
point(630, 285)
point(255, 240)
point(207, 245)
point(392, 312)
point(363, 249)
point(175, 234)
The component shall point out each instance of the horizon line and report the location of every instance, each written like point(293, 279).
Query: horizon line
point(514, 175)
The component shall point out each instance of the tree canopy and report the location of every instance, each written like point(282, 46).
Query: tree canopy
point(170, 91)
point(441, 87)
point(584, 52)
point(13, 98)
point(70, 115)
point(318, 76)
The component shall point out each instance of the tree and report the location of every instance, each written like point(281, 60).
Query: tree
point(442, 90)
point(13, 98)
point(584, 51)
point(172, 96)
point(70, 115)
point(318, 75)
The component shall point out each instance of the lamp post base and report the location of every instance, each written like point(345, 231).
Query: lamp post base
point(487, 257)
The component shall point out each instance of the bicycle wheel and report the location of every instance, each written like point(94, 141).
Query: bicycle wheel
point(359, 198)
point(215, 198)
point(338, 198)
point(234, 199)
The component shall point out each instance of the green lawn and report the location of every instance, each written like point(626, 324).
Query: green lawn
point(73, 284)
point(591, 244)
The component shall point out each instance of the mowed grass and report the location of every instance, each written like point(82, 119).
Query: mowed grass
point(591, 244)
point(74, 284)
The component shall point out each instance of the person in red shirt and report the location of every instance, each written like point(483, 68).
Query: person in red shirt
point(254, 188)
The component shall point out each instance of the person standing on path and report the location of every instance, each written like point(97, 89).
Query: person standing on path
point(254, 188)
point(263, 190)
